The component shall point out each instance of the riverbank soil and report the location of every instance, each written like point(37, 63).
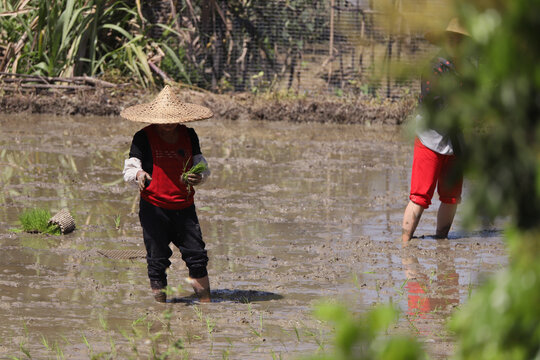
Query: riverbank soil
point(292, 214)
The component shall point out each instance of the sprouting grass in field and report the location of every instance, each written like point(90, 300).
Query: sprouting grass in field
point(37, 221)
point(117, 222)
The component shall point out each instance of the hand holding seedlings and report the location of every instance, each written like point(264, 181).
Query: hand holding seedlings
point(192, 179)
point(193, 176)
point(143, 179)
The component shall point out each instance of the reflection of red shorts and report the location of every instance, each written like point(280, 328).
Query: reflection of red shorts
point(431, 169)
point(417, 300)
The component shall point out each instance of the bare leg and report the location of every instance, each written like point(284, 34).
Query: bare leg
point(445, 217)
point(201, 287)
point(411, 217)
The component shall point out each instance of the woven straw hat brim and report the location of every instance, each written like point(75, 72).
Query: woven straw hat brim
point(166, 108)
point(179, 113)
point(437, 37)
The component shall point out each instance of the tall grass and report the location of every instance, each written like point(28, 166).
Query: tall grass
point(80, 37)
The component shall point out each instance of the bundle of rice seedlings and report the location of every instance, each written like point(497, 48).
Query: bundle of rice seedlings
point(37, 221)
point(196, 169)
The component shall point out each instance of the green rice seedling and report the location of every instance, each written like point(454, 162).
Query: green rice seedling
point(85, 340)
point(37, 221)
point(117, 222)
point(45, 342)
point(195, 169)
point(198, 312)
point(103, 323)
point(24, 350)
point(297, 334)
point(412, 325)
point(225, 353)
point(131, 341)
point(317, 337)
point(210, 325)
point(400, 291)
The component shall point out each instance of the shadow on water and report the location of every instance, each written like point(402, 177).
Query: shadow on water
point(457, 235)
point(232, 296)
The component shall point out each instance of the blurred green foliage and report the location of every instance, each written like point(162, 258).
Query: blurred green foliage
point(502, 320)
point(366, 337)
point(495, 104)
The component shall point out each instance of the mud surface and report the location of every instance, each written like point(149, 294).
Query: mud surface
point(292, 214)
point(235, 106)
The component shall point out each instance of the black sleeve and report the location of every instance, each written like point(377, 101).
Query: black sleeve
point(140, 149)
point(195, 146)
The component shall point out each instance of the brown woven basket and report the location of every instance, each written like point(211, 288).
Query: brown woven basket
point(64, 221)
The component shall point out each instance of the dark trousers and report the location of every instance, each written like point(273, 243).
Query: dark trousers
point(181, 227)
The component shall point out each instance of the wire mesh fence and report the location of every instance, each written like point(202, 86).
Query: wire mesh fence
point(303, 47)
point(308, 47)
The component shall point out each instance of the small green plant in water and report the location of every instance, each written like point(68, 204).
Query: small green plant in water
point(117, 222)
point(37, 221)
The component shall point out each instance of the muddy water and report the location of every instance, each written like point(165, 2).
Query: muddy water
point(292, 214)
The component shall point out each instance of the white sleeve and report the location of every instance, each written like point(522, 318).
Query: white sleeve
point(205, 174)
point(131, 167)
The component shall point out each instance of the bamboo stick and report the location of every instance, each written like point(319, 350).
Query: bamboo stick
point(46, 86)
point(15, 13)
point(11, 77)
point(7, 56)
point(23, 4)
point(160, 72)
point(331, 47)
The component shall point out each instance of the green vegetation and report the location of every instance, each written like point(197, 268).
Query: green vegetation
point(366, 337)
point(117, 220)
point(219, 45)
point(497, 108)
point(196, 169)
point(495, 105)
point(77, 37)
point(37, 221)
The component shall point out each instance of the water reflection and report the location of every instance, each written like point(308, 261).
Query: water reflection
point(432, 291)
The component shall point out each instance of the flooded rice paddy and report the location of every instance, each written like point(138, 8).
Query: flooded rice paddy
point(291, 215)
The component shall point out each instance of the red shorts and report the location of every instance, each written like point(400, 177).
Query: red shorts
point(431, 169)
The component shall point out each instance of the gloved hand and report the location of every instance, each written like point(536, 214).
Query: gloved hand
point(142, 178)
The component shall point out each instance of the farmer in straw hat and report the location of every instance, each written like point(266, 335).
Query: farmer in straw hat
point(434, 161)
point(159, 155)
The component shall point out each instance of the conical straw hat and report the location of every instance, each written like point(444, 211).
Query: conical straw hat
point(166, 108)
point(454, 26)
